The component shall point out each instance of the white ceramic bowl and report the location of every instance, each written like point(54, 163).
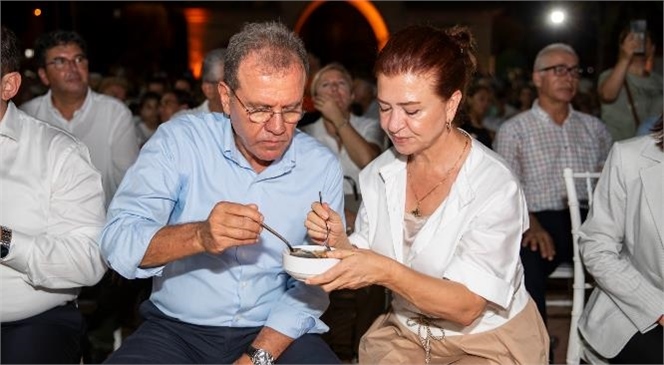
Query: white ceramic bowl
point(301, 268)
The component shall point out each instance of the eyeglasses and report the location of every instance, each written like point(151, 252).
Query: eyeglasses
point(261, 116)
point(563, 70)
point(61, 62)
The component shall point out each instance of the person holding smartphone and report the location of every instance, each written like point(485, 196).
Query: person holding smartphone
point(629, 92)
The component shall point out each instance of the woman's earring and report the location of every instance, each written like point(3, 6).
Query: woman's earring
point(449, 126)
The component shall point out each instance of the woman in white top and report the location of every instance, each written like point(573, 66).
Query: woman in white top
point(440, 224)
point(356, 140)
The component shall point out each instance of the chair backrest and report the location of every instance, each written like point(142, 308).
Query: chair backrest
point(353, 186)
point(575, 348)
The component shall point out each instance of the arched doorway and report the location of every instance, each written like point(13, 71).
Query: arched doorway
point(350, 32)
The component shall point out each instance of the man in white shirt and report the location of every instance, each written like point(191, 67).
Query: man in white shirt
point(364, 95)
point(212, 74)
point(51, 213)
point(103, 123)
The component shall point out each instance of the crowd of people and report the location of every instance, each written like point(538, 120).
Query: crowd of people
point(442, 188)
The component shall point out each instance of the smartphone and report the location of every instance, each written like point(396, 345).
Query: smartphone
point(638, 27)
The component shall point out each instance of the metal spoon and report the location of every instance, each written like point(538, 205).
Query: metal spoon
point(293, 251)
point(327, 235)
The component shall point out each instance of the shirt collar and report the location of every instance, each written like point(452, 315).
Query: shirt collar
point(278, 167)
point(462, 183)
point(651, 150)
point(541, 113)
point(10, 126)
point(395, 167)
point(87, 103)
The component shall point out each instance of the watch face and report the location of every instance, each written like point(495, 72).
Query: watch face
point(261, 357)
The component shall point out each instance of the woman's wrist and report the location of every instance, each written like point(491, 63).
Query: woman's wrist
point(341, 125)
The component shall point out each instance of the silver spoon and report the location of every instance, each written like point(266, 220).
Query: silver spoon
point(293, 251)
point(327, 234)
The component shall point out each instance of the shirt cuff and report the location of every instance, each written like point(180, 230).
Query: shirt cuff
point(294, 324)
point(126, 260)
point(19, 251)
point(480, 282)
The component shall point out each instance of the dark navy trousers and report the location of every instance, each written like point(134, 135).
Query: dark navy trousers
point(51, 337)
point(164, 340)
point(643, 348)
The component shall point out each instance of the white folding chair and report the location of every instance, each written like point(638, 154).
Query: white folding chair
point(575, 347)
point(352, 201)
point(566, 271)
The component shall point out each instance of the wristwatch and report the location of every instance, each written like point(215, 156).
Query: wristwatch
point(259, 356)
point(5, 241)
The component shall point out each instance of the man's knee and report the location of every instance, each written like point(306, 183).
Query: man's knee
point(308, 349)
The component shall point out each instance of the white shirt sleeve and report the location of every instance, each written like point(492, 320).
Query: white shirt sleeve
point(66, 255)
point(487, 259)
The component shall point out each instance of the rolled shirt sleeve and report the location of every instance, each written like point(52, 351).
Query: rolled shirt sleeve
point(487, 260)
point(141, 207)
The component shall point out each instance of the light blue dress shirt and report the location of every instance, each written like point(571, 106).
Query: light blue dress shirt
point(189, 165)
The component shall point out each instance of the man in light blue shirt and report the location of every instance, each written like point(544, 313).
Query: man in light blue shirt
point(188, 214)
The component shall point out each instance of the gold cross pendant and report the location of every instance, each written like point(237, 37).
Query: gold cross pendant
point(416, 212)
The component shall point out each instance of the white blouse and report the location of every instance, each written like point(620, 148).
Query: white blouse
point(473, 237)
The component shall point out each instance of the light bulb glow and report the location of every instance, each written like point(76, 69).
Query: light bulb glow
point(557, 17)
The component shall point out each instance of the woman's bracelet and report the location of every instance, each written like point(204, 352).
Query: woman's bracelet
point(345, 123)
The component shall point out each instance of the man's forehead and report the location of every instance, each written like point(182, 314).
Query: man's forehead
point(63, 47)
point(255, 70)
point(561, 55)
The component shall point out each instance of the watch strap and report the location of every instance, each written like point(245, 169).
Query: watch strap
point(5, 241)
point(251, 351)
point(256, 358)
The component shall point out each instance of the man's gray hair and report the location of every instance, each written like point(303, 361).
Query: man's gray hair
point(209, 70)
point(555, 47)
point(276, 46)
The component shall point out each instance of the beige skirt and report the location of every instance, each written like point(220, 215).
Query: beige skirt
point(522, 340)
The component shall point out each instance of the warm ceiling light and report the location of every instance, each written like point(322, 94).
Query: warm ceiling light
point(375, 20)
point(366, 8)
point(197, 20)
point(37, 12)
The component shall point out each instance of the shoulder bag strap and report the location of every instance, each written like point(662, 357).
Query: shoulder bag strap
point(632, 107)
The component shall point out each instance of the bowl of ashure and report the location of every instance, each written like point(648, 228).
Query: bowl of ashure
point(306, 261)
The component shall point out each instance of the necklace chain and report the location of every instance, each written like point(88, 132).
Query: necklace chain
point(416, 212)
